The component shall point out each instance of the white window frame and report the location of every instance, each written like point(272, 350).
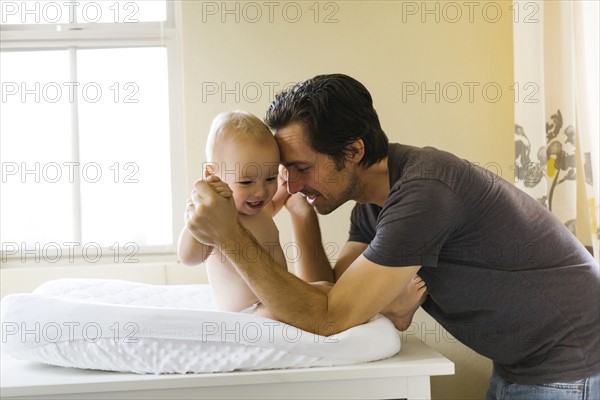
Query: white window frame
point(115, 35)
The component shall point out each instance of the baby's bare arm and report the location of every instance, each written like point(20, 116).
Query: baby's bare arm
point(190, 250)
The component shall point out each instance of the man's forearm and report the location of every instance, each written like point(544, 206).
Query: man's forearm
point(313, 264)
point(290, 299)
point(215, 221)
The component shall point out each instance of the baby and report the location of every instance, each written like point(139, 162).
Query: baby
point(242, 152)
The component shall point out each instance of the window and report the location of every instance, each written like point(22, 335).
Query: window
point(88, 142)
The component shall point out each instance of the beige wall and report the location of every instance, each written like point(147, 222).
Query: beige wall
point(387, 47)
point(231, 64)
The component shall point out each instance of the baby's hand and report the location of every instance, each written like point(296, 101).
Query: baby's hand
point(296, 204)
point(219, 186)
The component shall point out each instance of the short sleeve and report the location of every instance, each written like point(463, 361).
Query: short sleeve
point(415, 223)
point(363, 221)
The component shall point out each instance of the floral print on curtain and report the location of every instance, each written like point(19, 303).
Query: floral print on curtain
point(550, 164)
point(560, 151)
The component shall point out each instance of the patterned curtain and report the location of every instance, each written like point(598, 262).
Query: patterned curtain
point(556, 110)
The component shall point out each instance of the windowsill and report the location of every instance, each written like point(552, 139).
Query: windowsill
point(162, 269)
point(122, 260)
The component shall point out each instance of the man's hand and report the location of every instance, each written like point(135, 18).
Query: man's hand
point(219, 186)
point(211, 216)
point(297, 205)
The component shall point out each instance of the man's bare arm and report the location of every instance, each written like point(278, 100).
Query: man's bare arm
point(313, 264)
point(280, 196)
point(349, 253)
point(363, 290)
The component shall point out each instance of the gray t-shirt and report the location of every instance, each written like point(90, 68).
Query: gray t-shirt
point(504, 276)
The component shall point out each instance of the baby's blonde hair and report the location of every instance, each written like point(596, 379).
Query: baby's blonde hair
point(235, 125)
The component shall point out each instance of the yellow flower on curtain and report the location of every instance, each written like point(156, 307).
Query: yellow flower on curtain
point(550, 167)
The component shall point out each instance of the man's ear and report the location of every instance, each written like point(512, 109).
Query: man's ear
point(356, 151)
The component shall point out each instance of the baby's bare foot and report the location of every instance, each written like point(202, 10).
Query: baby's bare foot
point(403, 308)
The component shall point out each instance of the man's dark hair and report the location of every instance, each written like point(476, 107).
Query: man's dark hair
point(335, 110)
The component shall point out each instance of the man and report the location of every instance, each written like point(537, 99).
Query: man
point(502, 274)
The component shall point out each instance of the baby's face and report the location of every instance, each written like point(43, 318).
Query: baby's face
point(250, 169)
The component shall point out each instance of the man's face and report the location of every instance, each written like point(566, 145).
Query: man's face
point(314, 174)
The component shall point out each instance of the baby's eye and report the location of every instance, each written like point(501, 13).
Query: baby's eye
point(302, 170)
point(245, 183)
point(272, 179)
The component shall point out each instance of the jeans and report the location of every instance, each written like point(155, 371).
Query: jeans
point(583, 389)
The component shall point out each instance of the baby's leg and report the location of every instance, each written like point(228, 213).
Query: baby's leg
point(403, 308)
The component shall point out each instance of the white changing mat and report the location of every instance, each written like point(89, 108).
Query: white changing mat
point(125, 326)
